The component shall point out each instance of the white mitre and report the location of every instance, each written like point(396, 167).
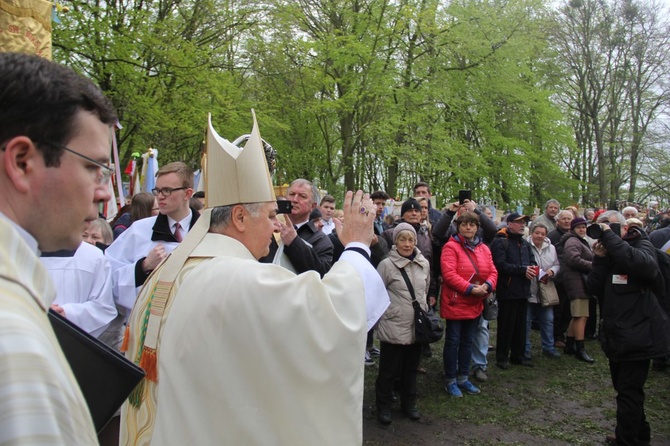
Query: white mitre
point(234, 174)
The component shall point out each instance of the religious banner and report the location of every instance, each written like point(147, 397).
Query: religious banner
point(25, 27)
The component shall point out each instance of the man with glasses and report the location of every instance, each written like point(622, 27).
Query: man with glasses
point(515, 262)
point(55, 141)
point(141, 247)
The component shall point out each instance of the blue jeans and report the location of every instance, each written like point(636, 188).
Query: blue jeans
point(480, 344)
point(545, 317)
point(458, 347)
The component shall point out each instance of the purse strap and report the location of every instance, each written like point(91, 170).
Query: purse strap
point(470, 258)
point(408, 283)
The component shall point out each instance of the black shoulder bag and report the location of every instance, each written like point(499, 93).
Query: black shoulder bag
point(428, 326)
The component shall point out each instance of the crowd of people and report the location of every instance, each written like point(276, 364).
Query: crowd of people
point(244, 317)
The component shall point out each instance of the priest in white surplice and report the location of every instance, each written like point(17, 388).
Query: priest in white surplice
point(83, 281)
point(147, 242)
point(243, 353)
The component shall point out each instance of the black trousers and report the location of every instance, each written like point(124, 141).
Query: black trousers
point(397, 362)
point(561, 313)
point(594, 316)
point(628, 379)
point(511, 338)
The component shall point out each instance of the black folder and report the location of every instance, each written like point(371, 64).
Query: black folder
point(105, 377)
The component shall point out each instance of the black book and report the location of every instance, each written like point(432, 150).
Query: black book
point(105, 377)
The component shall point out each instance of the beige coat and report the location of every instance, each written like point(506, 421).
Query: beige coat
point(397, 324)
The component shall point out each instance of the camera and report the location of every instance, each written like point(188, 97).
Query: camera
point(594, 231)
point(464, 195)
point(284, 207)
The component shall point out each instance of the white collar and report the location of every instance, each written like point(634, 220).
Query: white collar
point(25, 235)
point(185, 223)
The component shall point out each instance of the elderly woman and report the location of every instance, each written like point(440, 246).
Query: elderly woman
point(468, 275)
point(98, 233)
point(576, 264)
point(400, 354)
point(547, 259)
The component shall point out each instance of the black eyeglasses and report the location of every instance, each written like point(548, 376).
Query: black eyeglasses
point(101, 177)
point(166, 191)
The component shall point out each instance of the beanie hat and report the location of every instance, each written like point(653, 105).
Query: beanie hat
point(577, 221)
point(403, 227)
point(410, 203)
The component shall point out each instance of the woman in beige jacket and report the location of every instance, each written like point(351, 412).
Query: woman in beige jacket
point(400, 354)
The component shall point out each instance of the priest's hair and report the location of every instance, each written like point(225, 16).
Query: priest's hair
point(221, 215)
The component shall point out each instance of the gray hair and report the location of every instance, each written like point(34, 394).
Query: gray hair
point(539, 224)
point(563, 211)
point(313, 188)
point(105, 230)
point(607, 215)
point(552, 201)
point(629, 208)
point(222, 215)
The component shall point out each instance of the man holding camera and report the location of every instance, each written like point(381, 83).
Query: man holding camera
point(627, 280)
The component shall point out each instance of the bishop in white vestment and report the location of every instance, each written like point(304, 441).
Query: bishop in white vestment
point(243, 353)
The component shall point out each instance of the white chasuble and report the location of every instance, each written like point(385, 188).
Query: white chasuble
point(41, 402)
point(252, 354)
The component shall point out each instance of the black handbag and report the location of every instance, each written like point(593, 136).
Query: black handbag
point(428, 326)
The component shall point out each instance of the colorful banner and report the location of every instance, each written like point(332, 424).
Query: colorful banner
point(25, 27)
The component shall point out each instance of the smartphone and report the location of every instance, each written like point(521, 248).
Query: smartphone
point(464, 195)
point(284, 207)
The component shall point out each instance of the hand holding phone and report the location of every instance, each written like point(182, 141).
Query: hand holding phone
point(463, 195)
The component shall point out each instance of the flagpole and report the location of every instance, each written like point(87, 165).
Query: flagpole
point(117, 166)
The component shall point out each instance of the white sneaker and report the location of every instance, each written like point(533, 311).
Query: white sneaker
point(368, 359)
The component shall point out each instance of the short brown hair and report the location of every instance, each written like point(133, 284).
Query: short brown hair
point(327, 199)
point(421, 184)
point(467, 216)
point(184, 172)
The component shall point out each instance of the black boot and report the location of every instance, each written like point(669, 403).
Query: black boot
point(412, 412)
point(581, 353)
point(569, 348)
point(384, 416)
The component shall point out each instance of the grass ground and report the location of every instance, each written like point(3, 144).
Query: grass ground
point(562, 401)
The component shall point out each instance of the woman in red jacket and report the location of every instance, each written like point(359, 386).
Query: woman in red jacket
point(468, 276)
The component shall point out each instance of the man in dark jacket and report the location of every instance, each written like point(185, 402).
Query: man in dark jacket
point(635, 329)
point(422, 189)
point(307, 247)
point(515, 263)
point(563, 220)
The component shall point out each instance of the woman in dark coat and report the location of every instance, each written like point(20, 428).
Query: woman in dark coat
point(576, 262)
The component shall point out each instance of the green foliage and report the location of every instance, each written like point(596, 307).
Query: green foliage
point(373, 94)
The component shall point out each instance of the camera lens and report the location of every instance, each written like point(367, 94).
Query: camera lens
point(594, 231)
